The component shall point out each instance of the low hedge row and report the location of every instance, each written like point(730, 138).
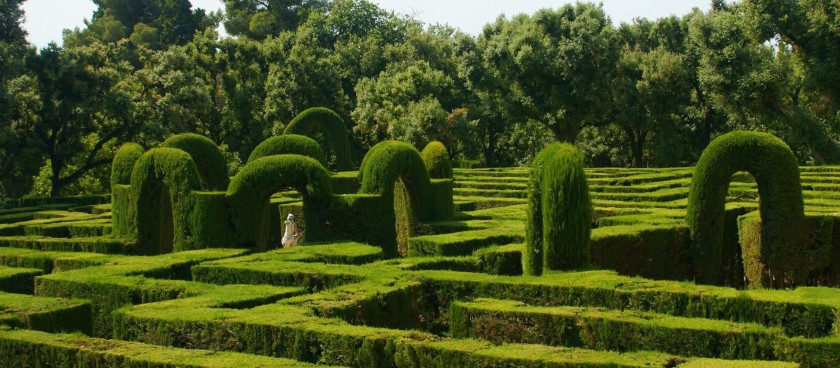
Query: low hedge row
point(21, 348)
point(106, 245)
point(461, 243)
point(18, 280)
point(501, 321)
point(45, 314)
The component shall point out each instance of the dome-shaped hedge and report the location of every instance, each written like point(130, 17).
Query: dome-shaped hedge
point(559, 212)
point(289, 144)
point(436, 158)
point(311, 120)
point(123, 163)
point(206, 155)
point(776, 172)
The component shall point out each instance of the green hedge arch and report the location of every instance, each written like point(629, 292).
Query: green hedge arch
point(311, 120)
point(395, 171)
point(121, 168)
point(559, 212)
point(436, 158)
point(773, 165)
point(161, 183)
point(208, 158)
point(250, 190)
point(289, 144)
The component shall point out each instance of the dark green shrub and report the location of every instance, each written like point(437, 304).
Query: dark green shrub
point(161, 184)
point(774, 167)
point(205, 153)
point(251, 188)
point(123, 163)
point(436, 158)
point(390, 161)
point(559, 212)
point(319, 118)
point(289, 144)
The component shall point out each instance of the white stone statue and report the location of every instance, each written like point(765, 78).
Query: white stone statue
point(292, 235)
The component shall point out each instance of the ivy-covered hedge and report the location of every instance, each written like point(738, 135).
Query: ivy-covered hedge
point(559, 212)
point(249, 192)
point(436, 158)
point(208, 158)
point(775, 169)
point(320, 118)
point(289, 144)
point(161, 184)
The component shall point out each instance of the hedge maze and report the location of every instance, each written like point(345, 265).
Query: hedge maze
point(410, 263)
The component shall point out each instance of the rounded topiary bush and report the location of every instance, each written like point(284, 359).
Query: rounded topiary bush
point(559, 212)
point(289, 144)
point(776, 172)
point(436, 158)
point(206, 155)
point(161, 184)
point(320, 118)
point(250, 190)
point(390, 161)
point(123, 163)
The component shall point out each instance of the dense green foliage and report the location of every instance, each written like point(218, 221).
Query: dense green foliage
point(774, 167)
point(123, 163)
point(559, 212)
point(321, 119)
point(436, 158)
point(207, 157)
point(289, 144)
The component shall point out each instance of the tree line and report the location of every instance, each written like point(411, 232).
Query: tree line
point(649, 93)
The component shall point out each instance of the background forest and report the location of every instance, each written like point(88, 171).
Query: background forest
point(648, 94)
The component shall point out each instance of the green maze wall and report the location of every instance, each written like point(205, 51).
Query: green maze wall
point(459, 300)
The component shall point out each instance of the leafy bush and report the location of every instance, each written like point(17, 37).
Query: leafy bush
point(436, 158)
point(289, 144)
point(207, 156)
point(320, 118)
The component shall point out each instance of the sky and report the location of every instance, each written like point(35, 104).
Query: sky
point(45, 19)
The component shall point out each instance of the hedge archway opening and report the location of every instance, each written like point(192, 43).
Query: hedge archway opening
point(161, 183)
point(321, 119)
point(251, 189)
point(773, 165)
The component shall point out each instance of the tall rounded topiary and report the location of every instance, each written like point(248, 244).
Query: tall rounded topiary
point(396, 171)
point(121, 168)
point(436, 158)
point(559, 212)
point(311, 120)
point(776, 172)
point(289, 144)
point(161, 183)
point(251, 188)
point(206, 155)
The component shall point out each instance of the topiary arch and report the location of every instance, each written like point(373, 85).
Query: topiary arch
point(559, 212)
point(774, 167)
point(161, 183)
point(205, 153)
point(311, 120)
point(252, 187)
point(393, 167)
point(289, 144)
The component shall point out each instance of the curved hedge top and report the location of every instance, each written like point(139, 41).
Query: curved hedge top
point(436, 158)
point(123, 163)
point(308, 121)
point(391, 160)
point(559, 211)
point(267, 175)
point(207, 156)
point(289, 144)
point(776, 172)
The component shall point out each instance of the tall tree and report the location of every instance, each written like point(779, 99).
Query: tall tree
point(259, 19)
point(558, 63)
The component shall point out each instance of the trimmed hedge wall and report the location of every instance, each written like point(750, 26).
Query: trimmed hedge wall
point(320, 118)
point(161, 184)
point(208, 158)
point(559, 212)
point(774, 167)
point(436, 158)
point(45, 314)
point(289, 144)
point(251, 188)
